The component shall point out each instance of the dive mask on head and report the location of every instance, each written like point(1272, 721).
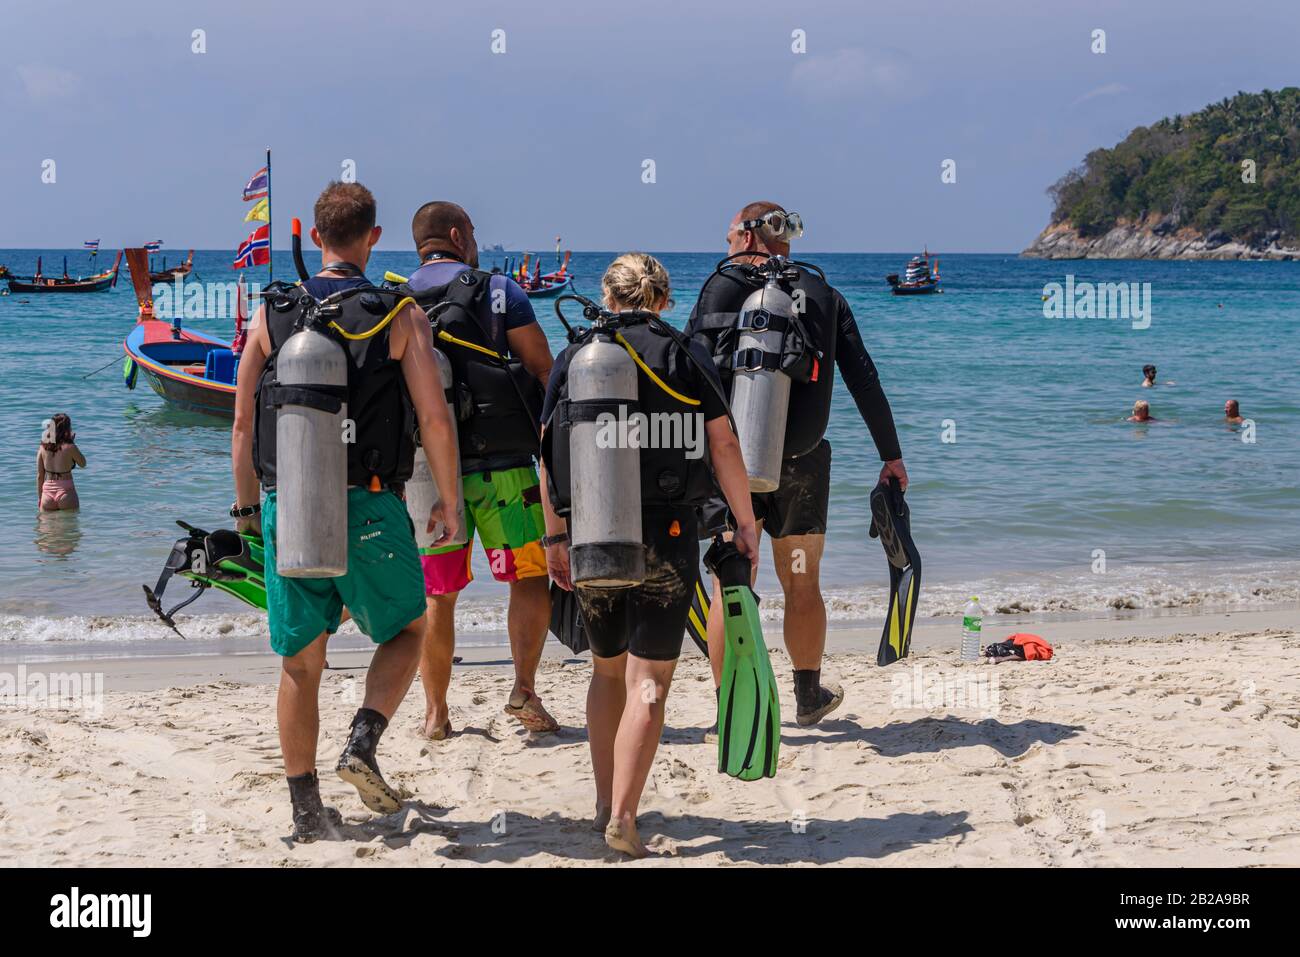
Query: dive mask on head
point(778, 225)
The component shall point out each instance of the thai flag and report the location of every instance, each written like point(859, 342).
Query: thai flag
point(91, 244)
point(154, 246)
point(258, 185)
point(255, 250)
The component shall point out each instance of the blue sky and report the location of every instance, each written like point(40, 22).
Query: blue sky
point(153, 140)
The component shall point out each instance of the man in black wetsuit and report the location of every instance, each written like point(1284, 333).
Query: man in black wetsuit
point(795, 514)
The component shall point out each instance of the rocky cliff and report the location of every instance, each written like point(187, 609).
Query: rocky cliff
point(1153, 238)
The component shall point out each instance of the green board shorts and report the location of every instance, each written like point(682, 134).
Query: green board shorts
point(383, 589)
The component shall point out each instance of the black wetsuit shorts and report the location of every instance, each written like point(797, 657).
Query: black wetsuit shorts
point(799, 506)
point(649, 620)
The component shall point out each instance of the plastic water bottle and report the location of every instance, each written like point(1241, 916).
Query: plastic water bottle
point(972, 621)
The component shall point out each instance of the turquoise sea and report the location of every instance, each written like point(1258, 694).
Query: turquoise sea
point(1047, 500)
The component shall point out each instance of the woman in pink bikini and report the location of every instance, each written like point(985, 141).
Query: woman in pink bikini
point(57, 456)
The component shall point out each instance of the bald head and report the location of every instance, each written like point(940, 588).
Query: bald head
point(444, 227)
point(758, 240)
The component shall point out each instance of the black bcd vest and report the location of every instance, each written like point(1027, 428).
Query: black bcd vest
point(668, 475)
point(498, 402)
point(717, 316)
point(377, 399)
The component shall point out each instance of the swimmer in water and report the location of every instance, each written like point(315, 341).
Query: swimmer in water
point(56, 457)
point(1141, 412)
point(1232, 413)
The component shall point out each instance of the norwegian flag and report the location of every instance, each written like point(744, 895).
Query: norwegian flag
point(258, 185)
point(255, 250)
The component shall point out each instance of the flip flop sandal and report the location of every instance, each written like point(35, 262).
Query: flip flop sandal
point(532, 715)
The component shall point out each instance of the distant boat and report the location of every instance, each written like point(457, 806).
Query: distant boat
point(494, 248)
point(921, 277)
point(187, 368)
point(548, 287)
point(167, 275)
point(539, 285)
point(65, 283)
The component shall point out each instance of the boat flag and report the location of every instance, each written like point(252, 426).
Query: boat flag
point(91, 244)
point(261, 212)
point(241, 317)
point(154, 246)
point(258, 185)
point(255, 250)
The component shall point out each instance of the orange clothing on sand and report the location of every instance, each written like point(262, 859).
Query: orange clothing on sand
point(1036, 649)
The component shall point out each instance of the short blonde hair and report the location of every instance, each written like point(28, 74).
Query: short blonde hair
point(635, 281)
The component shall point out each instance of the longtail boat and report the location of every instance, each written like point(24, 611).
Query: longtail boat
point(544, 286)
point(920, 278)
point(65, 283)
point(548, 286)
point(187, 368)
point(167, 275)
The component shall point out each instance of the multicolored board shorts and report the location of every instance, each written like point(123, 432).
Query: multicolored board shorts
point(505, 508)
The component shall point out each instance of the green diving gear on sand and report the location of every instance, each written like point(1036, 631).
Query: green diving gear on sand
point(891, 523)
point(749, 711)
point(226, 560)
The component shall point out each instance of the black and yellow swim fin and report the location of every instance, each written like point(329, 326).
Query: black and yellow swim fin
point(697, 621)
point(890, 521)
point(749, 711)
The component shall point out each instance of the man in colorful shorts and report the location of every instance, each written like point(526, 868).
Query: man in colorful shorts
point(490, 321)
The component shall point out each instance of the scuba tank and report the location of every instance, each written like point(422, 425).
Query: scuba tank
point(601, 491)
point(421, 489)
point(760, 391)
point(606, 549)
point(759, 319)
point(311, 503)
point(311, 534)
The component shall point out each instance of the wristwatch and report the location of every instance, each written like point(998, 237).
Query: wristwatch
point(549, 540)
point(245, 512)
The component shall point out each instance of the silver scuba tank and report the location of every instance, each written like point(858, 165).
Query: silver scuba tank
point(760, 391)
point(421, 490)
point(606, 549)
point(311, 485)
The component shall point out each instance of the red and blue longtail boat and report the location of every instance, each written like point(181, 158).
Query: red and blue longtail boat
point(188, 369)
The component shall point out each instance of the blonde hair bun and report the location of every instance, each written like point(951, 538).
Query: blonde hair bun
point(635, 281)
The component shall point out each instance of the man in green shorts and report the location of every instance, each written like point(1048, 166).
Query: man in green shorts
point(489, 321)
point(383, 586)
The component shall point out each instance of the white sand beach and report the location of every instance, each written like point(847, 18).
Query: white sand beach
point(1148, 742)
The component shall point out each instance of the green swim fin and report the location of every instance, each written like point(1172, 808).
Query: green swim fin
point(226, 560)
point(890, 520)
point(749, 711)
